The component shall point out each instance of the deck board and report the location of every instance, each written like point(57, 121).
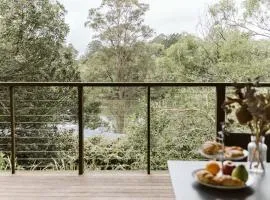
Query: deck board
point(95, 185)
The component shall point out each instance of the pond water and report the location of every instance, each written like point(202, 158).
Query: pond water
point(100, 131)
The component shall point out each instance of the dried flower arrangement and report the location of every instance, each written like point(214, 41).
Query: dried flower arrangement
point(251, 109)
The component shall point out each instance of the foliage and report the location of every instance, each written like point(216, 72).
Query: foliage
point(31, 35)
point(106, 154)
point(176, 132)
point(32, 48)
point(189, 57)
point(227, 52)
point(238, 57)
point(235, 45)
point(122, 55)
point(167, 40)
point(250, 16)
point(253, 108)
point(4, 162)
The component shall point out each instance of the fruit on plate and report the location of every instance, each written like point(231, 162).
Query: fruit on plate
point(212, 167)
point(228, 167)
point(227, 180)
point(205, 176)
point(241, 173)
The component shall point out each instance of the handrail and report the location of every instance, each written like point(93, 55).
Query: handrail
point(220, 115)
point(131, 84)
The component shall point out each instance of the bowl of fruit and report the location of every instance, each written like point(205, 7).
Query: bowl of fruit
point(228, 175)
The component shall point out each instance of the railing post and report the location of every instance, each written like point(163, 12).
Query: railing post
point(148, 129)
point(81, 127)
point(12, 128)
point(220, 113)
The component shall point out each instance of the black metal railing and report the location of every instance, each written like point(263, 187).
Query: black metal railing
point(220, 115)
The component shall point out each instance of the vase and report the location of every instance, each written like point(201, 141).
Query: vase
point(257, 154)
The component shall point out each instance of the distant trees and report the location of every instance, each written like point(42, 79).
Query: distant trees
point(123, 55)
point(235, 34)
point(119, 27)
point(167, 40)
point(234, 46)
point(251, 16)
point(32, 48)
point(32, 39)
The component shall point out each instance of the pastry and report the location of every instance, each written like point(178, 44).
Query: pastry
point(226, 180)
point(211, 147)
point(233, 153)
point(228, 148)
point(205, 177)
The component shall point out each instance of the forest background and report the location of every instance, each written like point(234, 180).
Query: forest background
point(234, 45)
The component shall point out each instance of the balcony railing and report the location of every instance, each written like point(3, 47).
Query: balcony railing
point(220, 89)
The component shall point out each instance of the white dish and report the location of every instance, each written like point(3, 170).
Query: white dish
point(216, 156)
point(249, 183)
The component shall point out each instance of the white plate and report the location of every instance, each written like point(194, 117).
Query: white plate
point(216, 156)
point(249, 183)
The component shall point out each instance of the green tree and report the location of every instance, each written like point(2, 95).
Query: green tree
point(167, 40)
point(239, 57)
point(251, 16)
point(185, 60)
point(32, 48)
point(124, 57)
point(31, 35)
point(234, 38)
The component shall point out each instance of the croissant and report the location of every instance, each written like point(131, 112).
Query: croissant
point(233, 148)
point(205, 176)
point(226, 180)
point(211, 147)
point(233, 153)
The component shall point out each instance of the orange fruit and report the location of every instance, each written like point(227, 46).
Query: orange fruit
point(213, 167)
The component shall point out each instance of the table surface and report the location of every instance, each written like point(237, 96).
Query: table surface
point(185, 187)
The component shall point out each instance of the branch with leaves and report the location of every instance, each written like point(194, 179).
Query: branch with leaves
point(251, 108)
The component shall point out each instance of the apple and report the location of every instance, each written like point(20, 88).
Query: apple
point(228, 167)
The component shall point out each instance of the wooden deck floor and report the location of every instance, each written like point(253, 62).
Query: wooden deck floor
point(91, 186)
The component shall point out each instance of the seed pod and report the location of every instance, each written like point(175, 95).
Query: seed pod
point(243, 115)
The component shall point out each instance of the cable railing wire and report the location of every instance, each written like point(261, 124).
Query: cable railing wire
point(17, 132)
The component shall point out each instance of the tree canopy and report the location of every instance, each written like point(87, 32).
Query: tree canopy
point(234, 46)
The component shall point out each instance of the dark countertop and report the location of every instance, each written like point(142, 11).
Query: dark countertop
point(186, 188)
